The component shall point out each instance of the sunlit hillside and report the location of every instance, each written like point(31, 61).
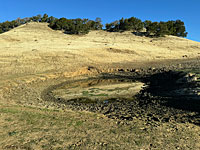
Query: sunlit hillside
point(34, 59)
point(34, 48)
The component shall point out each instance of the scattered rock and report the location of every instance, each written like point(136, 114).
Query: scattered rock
point(121, 70)
point(190, 77)
point(135, 70)
point(184, 56)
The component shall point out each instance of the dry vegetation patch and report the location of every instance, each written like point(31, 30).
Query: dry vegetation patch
point(33, 128)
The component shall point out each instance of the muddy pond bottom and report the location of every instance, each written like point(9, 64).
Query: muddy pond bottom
point(160, 97)
point(98, 90)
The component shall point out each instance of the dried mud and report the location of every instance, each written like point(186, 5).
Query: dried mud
point(156, 102)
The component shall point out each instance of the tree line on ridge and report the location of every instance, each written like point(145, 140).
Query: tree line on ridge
point(83, 26)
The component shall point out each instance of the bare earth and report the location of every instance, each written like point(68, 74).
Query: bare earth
point(34, 57)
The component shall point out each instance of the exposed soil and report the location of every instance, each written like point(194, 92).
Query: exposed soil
point(156, 102)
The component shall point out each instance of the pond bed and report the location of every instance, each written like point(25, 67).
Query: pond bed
point(98, 90)
point(153, 97)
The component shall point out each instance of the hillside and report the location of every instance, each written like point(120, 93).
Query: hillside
point(34, 59)
point(35, 48)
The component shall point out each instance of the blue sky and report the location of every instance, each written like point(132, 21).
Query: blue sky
point(109, 10)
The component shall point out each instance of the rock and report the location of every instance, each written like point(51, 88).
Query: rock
point(155, 118)
point(152, 69)
point(117, 122)
point(135, 70)
point(185, 56)
point(190, 77)
point(121, 70)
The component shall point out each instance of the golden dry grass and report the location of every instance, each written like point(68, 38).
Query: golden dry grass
point(35, 49)
point(32, 128)
point(33, 57)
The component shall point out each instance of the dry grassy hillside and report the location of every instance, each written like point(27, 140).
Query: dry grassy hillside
point(34, 48)
point(36, 52)
point(34, 57)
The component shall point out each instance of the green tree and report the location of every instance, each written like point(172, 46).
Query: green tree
point(147, 23)
point(36, 18)
point(60, 24)
point(126, 25)
point(121, 24)
point(180, 29)
point(171, 28)
point(152, 28)
point(135, 24)
point(91, 24)
point(77, 26)
point(109, 26)
point(98, 24)
point(45, 18)
point(13, 24)
point(162, 29)
point(5, 26)
point(51, 19)
point(1, 30)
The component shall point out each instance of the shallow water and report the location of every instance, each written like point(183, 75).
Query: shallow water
point(98, 90)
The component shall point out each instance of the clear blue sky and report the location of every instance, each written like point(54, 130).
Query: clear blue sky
point(109, 10)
